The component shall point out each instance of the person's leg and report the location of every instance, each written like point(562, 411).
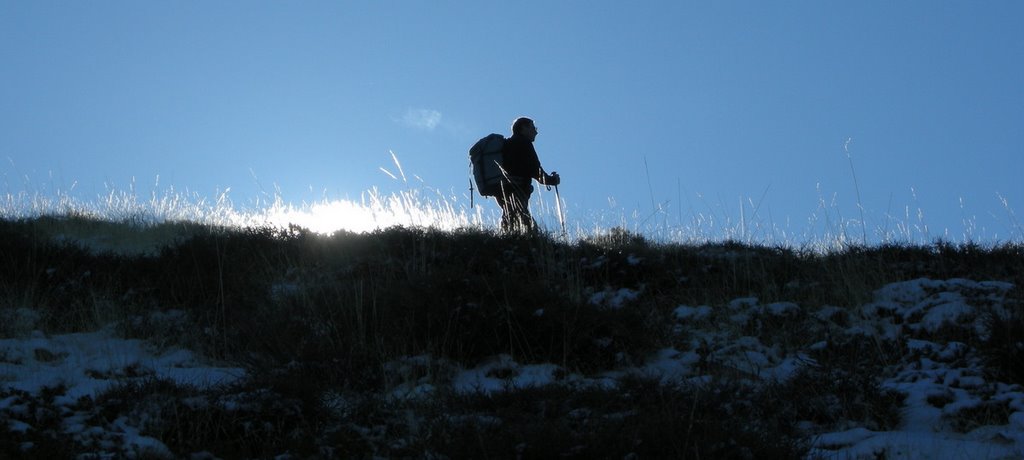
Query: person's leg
point(520, 206)
point(515, 208)
point(505, 200)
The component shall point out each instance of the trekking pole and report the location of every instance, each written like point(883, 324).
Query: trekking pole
point(558, 207)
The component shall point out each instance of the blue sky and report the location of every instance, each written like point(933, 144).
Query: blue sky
point(677, 110)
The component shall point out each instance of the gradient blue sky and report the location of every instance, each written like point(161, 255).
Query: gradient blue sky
point(690, 108)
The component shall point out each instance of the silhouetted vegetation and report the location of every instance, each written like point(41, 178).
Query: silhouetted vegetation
point(317, 320)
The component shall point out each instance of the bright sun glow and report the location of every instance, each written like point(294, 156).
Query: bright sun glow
point(327, 217)
point(375, 211)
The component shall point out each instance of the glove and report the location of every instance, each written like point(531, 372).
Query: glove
point(552, 179)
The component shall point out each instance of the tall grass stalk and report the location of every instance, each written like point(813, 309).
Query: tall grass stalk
point(1016, 229)
point(856, 187)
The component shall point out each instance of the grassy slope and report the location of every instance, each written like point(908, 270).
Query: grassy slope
point(321, 319)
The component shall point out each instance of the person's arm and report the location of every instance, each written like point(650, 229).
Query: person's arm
point(549, 179)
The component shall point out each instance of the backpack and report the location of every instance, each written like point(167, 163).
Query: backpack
point(485, 159)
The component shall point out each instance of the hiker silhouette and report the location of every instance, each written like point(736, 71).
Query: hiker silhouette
point(520, 166)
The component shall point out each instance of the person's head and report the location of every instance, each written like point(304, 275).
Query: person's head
point(525, 127)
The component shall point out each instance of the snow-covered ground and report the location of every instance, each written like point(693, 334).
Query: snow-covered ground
point(85, 365)
point(940, 380)
point(943, 381)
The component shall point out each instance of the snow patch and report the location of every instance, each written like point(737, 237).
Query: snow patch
point(613, 298)
point(686, 313)
point(504, 373)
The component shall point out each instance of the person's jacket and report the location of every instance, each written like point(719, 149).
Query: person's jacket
point(520, 161)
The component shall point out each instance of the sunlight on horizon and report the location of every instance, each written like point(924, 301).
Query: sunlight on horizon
point(427, 208)
point(325, 218)
point(374, 210)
